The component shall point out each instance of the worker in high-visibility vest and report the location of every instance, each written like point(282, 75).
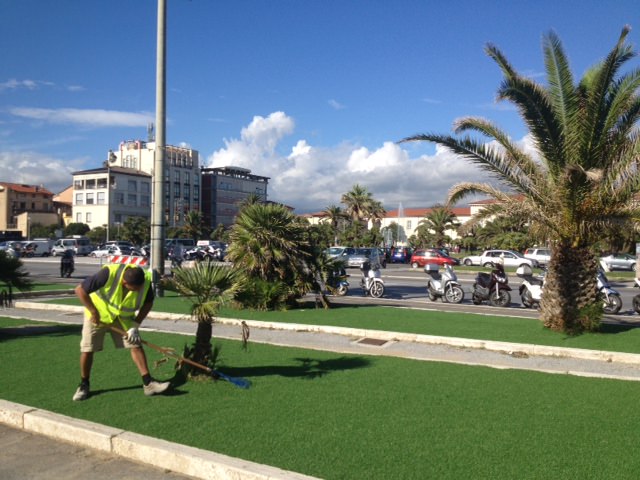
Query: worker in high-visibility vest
point(121, 295)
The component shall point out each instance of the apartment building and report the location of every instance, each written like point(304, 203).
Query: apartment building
point(107, 196)
point(224, 189)
point(24, 205)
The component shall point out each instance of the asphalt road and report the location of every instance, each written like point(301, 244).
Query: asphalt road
point(404, 287)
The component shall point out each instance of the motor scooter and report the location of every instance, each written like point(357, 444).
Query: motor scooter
point(636, 299)
point(443, 285)
point(67, 264)
point(371, 281)
point(611, 300)
point(337, 282)
point(492, 287)
point(531, 288)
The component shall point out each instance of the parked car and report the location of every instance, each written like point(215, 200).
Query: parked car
point(540, 255)
point(509, 258)
point(619, 261)
point(339, 253)
point(362, 255)
point(401, 255)
point(110, 250)
point(422, 257)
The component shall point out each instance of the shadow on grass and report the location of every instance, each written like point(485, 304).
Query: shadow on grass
point(609, 328)
point(11, 333)
point(306, 368)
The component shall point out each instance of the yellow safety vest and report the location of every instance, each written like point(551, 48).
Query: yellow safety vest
point(111, 300)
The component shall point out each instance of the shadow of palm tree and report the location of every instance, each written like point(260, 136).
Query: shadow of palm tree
point(306, 368)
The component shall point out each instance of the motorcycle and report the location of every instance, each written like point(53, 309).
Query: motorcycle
point(531, 288)
point(492, 287)
point(611, 301)
point(443, 285)
point(67, 264)
point(371, 281)
point(337, 282)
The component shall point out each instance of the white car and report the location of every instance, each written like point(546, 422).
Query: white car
point(110, 250)
point(508, 258)
point(616, 261)
point(541, 255)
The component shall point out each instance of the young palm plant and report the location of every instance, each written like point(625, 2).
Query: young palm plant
point(581, 178)
point(207, 287)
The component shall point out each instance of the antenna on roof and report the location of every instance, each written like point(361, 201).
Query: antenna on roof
point(151, 136)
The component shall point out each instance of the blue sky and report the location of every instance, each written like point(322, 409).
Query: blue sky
point(313, 94)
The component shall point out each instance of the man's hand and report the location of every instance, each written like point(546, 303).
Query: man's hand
point(133, 336)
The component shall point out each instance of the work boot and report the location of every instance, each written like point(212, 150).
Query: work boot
point(154, 387)
point(82, 393)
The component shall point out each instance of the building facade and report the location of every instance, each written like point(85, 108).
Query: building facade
point(107, 196)
point(181, 175)
point(223, 191)
point(23, 205)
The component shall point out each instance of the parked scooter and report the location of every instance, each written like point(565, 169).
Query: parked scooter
point(443, 285)
point(492, 287)
point(531, 288)
point(337, 282)
point(67, 264)
point(611, 301)
point(371, 282)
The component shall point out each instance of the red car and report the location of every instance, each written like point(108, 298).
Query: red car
point(423, 256)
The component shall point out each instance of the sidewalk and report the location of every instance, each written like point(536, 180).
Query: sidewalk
point(588, 363)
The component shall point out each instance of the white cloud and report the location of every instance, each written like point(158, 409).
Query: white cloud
point(311, 178)
point(86, 117)
point(32, 168)
point(13, 84)
point(336, 105)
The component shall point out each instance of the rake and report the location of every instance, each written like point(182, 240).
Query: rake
point(170, 352)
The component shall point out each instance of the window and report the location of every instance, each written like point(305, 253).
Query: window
point(119, 198)
point(408, 224)
point(176, 189)
point(79, 197)
point(130, 161)
point(90, 184)
point(132, 200)
point(78, 185)
point(101, 198)
point(88, 217)
point(145, 200)
point(176, 176)
point(133, 186)
point(78, 217)
point(102, 182)
point(90, 198)
point(145, 187)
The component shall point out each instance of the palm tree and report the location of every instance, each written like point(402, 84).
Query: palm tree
point(207, 287)
point(13, 275)
point(580, 180)
point(193, 224)
point(357, 203)
point(334, 215)
point(438, 220)
point(267, 243)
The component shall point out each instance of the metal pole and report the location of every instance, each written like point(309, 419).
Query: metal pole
point(157, 220)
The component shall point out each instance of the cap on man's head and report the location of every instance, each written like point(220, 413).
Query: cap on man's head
point(134, 276)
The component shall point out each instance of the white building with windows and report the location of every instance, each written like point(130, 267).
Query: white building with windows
point(107, 196)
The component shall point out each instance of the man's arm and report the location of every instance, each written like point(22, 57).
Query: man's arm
point(143, 312)
point(85, 299)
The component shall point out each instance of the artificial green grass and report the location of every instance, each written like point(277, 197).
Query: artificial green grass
point(340, 416)
point(427, 322)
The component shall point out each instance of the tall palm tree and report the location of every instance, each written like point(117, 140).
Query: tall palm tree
point(207, 287)
point(357, 203)
point(334, 215)
point(583, 174)
point(439, 219)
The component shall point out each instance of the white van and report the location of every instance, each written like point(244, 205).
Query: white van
point(38, 248)
point(78, 244)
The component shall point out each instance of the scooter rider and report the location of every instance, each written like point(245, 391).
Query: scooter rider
point(66, 262)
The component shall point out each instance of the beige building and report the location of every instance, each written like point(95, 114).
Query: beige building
point(24, 205)
point(107, 196)
point(181, 175)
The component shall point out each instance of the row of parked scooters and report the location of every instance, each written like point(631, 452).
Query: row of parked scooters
point(494, 288)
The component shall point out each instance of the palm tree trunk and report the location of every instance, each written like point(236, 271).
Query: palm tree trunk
point(202, 351)
point(564, 308)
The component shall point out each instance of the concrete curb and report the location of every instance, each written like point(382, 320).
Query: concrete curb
point(178, 458)
point(503, 347)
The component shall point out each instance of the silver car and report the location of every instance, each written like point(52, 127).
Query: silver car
point(619, 261)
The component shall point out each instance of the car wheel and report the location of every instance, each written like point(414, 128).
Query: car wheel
point(468, 262)
point(488, 265)
point(632, 267)
point(414, 265)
